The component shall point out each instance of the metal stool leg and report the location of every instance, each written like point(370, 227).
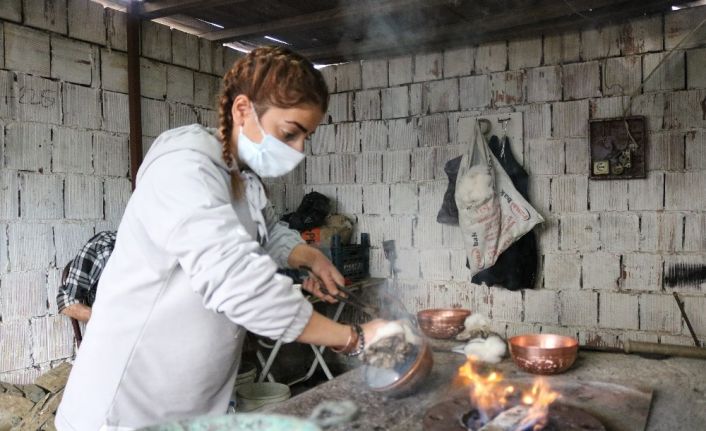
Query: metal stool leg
point(270, 361)
point(339, 310)
point(322, 362)
point(318, 360)
point(318, 357)
point(261, 359)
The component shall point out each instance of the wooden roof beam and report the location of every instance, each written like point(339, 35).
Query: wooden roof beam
point(152, 9)
point(357, 10)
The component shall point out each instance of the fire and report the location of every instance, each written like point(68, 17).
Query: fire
point(491, 396)
point(538, 400)
point(488, 393)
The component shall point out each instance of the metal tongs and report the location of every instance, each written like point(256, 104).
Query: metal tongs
point(350, 299)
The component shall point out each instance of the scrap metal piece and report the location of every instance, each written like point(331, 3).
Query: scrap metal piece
point(632, 346)
point(680, 303)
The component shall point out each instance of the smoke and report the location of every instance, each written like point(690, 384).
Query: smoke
point(387, 30)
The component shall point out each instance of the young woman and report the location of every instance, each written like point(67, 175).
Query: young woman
point(195, 260)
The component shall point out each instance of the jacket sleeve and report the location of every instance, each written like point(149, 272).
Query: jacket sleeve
point(192, 216)
point(282, 239)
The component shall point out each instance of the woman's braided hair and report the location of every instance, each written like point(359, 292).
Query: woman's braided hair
point(270, 77)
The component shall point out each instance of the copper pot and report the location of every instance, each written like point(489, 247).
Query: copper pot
point(411, 380)
point(544, 353)
point(442, 322)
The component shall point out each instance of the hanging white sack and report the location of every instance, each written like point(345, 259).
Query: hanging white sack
point(491, 212)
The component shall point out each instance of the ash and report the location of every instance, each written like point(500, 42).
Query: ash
point(511, 420)
point(391, 352)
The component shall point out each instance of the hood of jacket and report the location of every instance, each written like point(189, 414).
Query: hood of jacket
point(193, 137)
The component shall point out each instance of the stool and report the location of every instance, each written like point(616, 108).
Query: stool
point(319, 360)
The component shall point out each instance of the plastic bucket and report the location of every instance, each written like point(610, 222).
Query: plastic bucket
point(246, 374)
point(252, 396)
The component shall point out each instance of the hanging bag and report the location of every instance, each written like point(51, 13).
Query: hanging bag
point(492, 213)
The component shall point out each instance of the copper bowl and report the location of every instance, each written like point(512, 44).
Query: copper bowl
point(544, 353)
point(442, 322)
point(408, 382)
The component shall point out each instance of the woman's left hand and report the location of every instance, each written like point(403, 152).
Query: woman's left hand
point(305, 255)
point(328, 275)
point(311, 285)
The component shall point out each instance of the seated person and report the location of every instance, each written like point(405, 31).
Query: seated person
point(77, 294)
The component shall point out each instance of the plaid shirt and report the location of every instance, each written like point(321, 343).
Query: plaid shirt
point(85, 271)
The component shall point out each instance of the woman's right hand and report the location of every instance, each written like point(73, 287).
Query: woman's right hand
point(371, 328)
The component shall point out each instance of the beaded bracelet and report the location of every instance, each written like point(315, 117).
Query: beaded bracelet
point(361, 341)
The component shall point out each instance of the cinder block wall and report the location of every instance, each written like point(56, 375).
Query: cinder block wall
point(64, 149)
point(392, 125)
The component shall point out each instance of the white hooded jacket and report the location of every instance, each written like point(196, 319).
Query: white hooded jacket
point(186, 279)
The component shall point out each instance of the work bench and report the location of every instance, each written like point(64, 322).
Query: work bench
point(678, 385)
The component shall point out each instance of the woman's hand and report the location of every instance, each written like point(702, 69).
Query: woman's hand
point(371, 328)
point(313, 286)
point(305, 255)
point(328, 275)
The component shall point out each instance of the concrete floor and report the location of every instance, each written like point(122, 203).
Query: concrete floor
point(678, 384)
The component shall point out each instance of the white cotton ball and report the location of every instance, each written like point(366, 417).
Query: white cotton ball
point(395, 328)
point(475, 187)
point(460, 349)
point(410, 335)
point(476, 321)
point(388, 330)
point(476, 325)
point(490, 350)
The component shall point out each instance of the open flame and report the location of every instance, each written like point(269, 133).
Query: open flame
point(538, 399)
point(492, 396)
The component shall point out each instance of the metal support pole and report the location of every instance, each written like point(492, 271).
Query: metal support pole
point(133, 78)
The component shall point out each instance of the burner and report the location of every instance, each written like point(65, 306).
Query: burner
point(457, 413)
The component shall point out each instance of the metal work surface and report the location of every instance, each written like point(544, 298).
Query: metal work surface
point(678, 385)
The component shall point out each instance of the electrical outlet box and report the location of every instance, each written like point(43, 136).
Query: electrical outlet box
point(617, 148)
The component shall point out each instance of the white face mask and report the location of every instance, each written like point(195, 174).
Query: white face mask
point(271, 157)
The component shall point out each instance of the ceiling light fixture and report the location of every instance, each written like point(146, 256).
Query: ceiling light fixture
point(274, 39)
point(210, 23)
point(237, 47)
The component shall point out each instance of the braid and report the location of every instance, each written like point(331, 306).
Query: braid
point(268, 76)
point(225, 131)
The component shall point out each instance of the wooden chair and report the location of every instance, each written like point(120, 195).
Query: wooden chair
point(74, 322)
